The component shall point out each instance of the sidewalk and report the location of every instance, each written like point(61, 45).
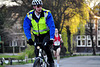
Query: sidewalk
point(84, 53)
point(73, 53)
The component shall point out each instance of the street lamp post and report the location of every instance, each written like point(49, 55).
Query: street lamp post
point(13, 44)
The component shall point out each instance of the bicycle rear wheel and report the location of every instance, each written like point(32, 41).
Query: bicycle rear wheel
point(38, 63)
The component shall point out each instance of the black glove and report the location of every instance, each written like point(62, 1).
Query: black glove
point(30, 42)
point(50, 42)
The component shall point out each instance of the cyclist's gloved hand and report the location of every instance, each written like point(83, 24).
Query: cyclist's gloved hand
point(30, 42)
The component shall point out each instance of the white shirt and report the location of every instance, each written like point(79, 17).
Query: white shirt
point(38, 16)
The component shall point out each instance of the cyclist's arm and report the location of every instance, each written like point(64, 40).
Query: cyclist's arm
point(27, 27)
point(51, 25)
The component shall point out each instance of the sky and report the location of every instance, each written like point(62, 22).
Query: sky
point(4, 0)
point(92, 3)
point(7, 3)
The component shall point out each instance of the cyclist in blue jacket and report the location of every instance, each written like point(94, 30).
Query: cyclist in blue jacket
point(42, 24)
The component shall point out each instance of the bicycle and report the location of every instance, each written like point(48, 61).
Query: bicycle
point(41, 60)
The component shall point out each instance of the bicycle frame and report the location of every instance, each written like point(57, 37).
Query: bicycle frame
point(41, 56)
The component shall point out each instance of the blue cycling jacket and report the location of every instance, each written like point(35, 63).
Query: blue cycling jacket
point(49, 21)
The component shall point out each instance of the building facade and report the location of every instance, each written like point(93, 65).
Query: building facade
point(15, 41)
point(84, 43)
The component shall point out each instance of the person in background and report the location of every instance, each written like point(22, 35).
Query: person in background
point(57, 46)
point(43, 28)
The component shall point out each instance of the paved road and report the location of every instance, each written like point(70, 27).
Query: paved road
point(80, 61)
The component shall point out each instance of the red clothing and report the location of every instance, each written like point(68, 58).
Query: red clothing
point(57, 40)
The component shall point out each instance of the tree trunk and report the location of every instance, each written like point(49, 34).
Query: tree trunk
point(91, 35)
point(69, 40)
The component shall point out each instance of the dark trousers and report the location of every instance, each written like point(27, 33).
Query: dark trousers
point(44, 38)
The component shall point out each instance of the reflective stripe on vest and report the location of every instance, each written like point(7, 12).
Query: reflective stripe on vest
point(41, 30)
point(30, 16)
point(40, 27)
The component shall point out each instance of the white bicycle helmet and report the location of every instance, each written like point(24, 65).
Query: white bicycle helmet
point(37, 2)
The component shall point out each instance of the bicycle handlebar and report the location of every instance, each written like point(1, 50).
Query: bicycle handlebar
point(37, 43)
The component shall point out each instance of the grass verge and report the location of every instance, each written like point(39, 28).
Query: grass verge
point(8, 56)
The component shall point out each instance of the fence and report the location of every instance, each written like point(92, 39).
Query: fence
point(10, 61)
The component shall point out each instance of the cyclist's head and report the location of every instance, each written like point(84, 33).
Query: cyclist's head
point(37, 2)
point(37, 5)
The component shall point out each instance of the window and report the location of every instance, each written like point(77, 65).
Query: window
point(92, 23)
point(78, 37)
point(23, 42)
point(98, 38)
point(23, 38)
point(99, 24)
point(14, 43)
point(88, 37)
point(98, 31)
point(89, 42)
point(0, 46)
point(16, 38)
point(84, 41)
point(81, 41)
point(98, 44)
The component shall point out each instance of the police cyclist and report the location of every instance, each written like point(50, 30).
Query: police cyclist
point(43, 28)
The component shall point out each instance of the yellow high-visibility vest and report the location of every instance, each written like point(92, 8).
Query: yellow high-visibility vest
point(40, 27)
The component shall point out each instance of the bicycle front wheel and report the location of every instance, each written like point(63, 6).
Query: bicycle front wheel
point(38, 63)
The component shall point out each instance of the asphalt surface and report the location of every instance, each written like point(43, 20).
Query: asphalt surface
point(80, 61)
